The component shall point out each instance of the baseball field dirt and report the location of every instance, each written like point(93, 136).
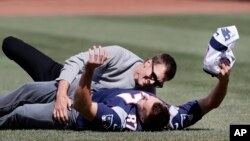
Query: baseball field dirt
point(119, 7)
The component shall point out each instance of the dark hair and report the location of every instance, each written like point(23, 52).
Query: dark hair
point(169, 62)
point(158, 118)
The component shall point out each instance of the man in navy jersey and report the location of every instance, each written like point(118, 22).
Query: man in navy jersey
point(106, 110)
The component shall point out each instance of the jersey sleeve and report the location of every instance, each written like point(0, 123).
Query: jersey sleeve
point(184, 116)
point(109, 118)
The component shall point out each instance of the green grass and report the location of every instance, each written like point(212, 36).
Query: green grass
point(183, 36)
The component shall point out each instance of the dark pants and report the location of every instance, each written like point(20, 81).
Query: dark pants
point(39, 66)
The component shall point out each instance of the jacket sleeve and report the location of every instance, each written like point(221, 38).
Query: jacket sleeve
point(73, 66)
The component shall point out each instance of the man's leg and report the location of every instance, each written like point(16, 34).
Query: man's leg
point(35, 92)
point(39, 66)
point(35, 116)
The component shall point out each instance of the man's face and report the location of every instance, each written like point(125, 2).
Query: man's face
point(145, 105)
point(151, 75)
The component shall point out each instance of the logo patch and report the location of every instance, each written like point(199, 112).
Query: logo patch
point(226, 33)
point(107, 121)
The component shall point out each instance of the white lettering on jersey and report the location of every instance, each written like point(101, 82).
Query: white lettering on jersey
point(131, 122)
point(131, 99)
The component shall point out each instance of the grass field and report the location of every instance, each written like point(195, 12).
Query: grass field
point(183, 36)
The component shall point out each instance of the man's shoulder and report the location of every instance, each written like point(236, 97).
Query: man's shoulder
point(120, 53)
point(116, 47)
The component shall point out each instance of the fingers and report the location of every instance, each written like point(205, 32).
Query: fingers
point(224, 72)
point(97, 55)
point(61, 116)
point(91, 55)
point(225, 61)
point(70, 102)
point(225, 68)
point(103, 56)
point(97, 52)
point(60, 112)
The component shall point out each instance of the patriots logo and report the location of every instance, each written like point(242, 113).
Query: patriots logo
point(107, 121)
point(226, 33)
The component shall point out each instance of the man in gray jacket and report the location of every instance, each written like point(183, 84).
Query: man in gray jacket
point(122, 69)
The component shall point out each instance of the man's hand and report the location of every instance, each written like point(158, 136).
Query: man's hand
point(97, 56)
point(62, 104)
point(224, 74)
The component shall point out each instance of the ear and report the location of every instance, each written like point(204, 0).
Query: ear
point(147, 62)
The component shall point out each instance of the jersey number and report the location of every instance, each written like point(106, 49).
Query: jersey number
point(131, 122)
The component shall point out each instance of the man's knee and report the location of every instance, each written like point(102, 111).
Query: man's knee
point(31, 86)
point(7, 46)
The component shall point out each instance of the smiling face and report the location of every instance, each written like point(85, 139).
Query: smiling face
point(150, 74)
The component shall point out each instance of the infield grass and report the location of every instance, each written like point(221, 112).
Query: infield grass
point(185, 37)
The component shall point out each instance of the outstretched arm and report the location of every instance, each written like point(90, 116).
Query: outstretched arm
point(83, 102)
point(216, 96)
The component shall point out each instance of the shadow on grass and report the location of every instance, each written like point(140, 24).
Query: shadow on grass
point(198, 129)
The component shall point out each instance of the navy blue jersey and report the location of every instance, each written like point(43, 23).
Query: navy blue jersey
point(117, 111)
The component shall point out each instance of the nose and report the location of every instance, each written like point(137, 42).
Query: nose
point(151, 81)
